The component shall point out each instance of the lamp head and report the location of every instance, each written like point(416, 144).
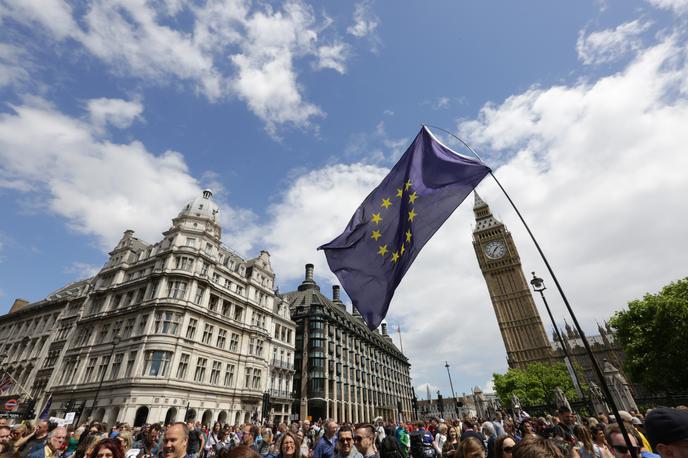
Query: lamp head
point(537, 283)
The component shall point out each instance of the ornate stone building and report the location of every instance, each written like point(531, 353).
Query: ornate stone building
point(519, 321)
point(343, 370)
point(181, 328)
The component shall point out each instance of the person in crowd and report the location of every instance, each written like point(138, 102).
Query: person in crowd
point(345, 444)
point(536, 447)
point(241, 451)
point(324, 447)
point(6, 438)
point(107, 448)
point(304, 449)
point(87, 444)
point(471, 447)
point(288, 445)
point(584, 447)
point(498, 424)
point(599, 442)
point(250, 438)
point(504, 447)
point(440, 438)
point(126, 441)
point(149, 445)
point(452, 442)
point(55, 440)
point(364, 440)
point(618, 445)
point(667, 431)
point(175, 441)
point(195, 440)
point(402, 435)
point(213, 440)
point(37, 439)
point(490, 435)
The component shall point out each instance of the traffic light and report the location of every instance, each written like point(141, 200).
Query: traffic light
point(69, 406)
point(440, 404)
point(414, 403)
point(30, 409)
point(266, 405)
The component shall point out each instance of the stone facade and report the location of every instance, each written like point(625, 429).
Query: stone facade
point(519, 321)
point(181, 328)
point(344, 371)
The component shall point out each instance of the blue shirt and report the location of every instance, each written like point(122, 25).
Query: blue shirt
point(324, 448)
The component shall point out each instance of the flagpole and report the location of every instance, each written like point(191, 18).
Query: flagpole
point(19, 385)
point(584, 339)
point(401, 343)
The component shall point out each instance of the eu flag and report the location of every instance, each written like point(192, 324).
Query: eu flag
point(394, 222)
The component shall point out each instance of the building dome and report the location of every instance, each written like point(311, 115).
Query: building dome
point(202, 207)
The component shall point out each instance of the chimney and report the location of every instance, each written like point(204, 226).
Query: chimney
point(384, 328)
point(308, 282)
point(335, 293)
point(309, 272)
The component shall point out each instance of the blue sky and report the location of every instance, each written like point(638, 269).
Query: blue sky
point(115, 113)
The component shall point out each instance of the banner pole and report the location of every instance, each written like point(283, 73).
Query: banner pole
point(584, 339)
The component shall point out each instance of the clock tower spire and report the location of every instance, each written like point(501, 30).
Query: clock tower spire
point(519, 321)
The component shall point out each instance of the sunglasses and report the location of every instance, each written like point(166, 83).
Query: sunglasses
point(359, 438)
point(625, 449)
point(347, 439)
point(508, 449)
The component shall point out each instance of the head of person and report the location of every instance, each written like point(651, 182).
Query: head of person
point(471, 447)
point(345, 440)
point(107, 448)
point(597, 434)
point(5, 434)
point(498, 416)
point(56, 438)
point(217, 427)
point(618, 445)
point(566, 416)
point(504, 447)
point(536, 447)
point(364, 439)
point(19, 431)
point(124, 438)
point(330, 428)
point(443, 428)
point(242, 451)
point(175, 441)
point(42, 428)
point(289, 445)
point(452, 433)
point(526, 427)
point(154, 433)
point(602, 418)
point(667, 431)
point(488, 429)
point(250, 434)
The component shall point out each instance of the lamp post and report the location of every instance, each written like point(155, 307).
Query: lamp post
point(451, 385)
point(115, 341)
point(538, 285)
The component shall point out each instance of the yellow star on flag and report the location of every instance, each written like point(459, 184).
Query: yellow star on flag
point(375, 235)
point(400, 192)
point(408, 235)
point(386, 203)
point(407, 185)
point(382, 251)
point(412, 214)
point(377, 218)
point(402, 249)
point(395, 256)
point(413, 197)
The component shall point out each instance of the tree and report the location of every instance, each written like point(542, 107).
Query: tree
point(653, 333)
point(535, 384)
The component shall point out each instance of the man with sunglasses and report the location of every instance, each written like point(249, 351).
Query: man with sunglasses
point(618, 445)
point(667, 430)
point(345, 444)
point(365, 441)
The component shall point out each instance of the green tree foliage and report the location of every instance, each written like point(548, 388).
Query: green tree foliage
point(535, 384)
point(653, 333)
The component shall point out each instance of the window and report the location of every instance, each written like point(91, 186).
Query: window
point(191, 242)
point(240, 290)
point(255, 347)
point(199, 295)
point(116, 328)
point(166, 323)
point(256, 379)
point(104, 330)
point(221, 338)
point(184, 263)
point(142, 325)
point(153, 288)
point(215, 373)
point(183, 366)
point(104, 363)
point(277, 331)
point(130, 364)
point(191, 328)
point(116, 365)
point(88, 375)
point(228, 283)
point(234, 342)
point(229, 375)
point(177, 290)
point(207, 334)
point(200, 369)
point(128, 327)
point(212, 303)
point(238, 313)
point(157, 363)
point(249, 372)
point(204, 269)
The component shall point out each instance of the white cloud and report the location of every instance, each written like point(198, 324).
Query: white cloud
point(611, 44)
point(422, 391)
point(12, 65)
point(678, 6)
point(365, 21)
point(333, 56)
point(114, 112)
point(82, 269)
point(231, 48)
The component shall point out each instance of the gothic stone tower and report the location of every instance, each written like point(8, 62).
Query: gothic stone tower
point(519, 321)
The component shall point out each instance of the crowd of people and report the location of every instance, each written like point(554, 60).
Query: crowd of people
point(661, 432)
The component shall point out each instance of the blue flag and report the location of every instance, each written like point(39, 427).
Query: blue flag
point(394, 222)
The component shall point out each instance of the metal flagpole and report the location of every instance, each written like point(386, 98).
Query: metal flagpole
point(401, 343)
point(586, 344)
point(19, 385)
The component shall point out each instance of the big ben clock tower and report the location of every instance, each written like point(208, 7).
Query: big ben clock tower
point(519, 321)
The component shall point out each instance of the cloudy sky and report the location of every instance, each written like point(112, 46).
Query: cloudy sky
point(115, 113)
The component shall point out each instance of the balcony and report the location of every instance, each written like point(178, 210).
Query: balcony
point(282, 364)
point(281, 394)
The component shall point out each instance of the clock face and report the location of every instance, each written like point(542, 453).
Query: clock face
point(495, 250)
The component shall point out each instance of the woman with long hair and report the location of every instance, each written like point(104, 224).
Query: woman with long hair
point(504, 447)
point(107, 448)
point(471, 447)
point(452, 443)
point(289, 446)
point(584, 446)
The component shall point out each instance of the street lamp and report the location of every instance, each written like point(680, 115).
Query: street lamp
point(538, 285)
point(451, 385)
point(115, 341)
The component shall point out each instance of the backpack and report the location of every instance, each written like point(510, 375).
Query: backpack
point(419, 449)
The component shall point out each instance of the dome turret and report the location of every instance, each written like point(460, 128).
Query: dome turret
point(202, 207)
